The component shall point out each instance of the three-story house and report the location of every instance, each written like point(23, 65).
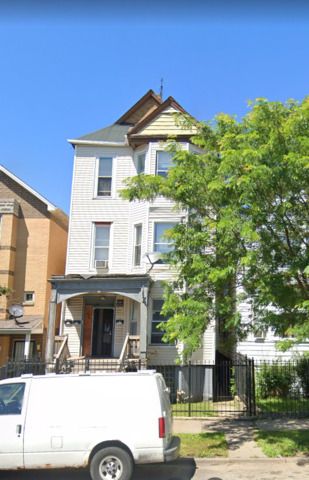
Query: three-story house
point(111, 292)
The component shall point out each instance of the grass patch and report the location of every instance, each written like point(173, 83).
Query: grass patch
point(211, 444)
point(284, 405)
point(287, 443)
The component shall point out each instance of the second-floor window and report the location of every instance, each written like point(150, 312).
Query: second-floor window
point(137, 244)
point(101, 242)
point(162, 244)
point(164, 162)
point(105, 172)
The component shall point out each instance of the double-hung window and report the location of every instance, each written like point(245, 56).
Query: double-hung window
point(137, 245)
point(157, 318)
point(162, 244)
point(105, 172)
point(101, 243)
point(164, 162)
point(141, 163)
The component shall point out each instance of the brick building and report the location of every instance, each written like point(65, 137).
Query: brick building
point(33, 238)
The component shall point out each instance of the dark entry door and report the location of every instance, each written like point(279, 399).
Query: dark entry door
point(102, 332)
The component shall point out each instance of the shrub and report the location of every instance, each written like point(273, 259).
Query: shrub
point(275, 379)
point(302, 370)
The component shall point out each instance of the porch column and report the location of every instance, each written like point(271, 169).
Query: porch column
point(143, 324)
point(27, 346)
point(50, 341)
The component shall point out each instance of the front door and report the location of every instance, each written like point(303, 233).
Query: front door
point(102, 332)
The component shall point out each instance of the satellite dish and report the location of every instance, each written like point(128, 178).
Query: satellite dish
point(152, 257)
point(17, 311)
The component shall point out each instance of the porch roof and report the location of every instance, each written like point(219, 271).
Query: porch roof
point(132, 286)
point(34, 325)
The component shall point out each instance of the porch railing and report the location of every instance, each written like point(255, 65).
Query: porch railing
point(61, 348)
point(130, 350)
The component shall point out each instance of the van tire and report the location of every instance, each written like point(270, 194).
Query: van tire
point(111, 463)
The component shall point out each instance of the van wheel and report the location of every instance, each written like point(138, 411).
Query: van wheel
point(111, 463)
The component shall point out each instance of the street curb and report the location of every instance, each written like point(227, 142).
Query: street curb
point(214, 461)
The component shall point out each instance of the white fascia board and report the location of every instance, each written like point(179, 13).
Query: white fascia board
point(50, 206)
point(98, 142)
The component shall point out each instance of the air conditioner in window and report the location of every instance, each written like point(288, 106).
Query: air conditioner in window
point(101, 264)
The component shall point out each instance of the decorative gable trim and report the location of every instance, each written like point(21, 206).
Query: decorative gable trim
point(170, 101)
point(150, 95)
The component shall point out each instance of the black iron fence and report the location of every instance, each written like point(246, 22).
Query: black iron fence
point(240, 387)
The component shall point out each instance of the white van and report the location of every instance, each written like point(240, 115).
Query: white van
point(107, 421)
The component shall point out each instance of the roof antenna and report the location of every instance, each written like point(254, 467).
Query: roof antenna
point(161, 88)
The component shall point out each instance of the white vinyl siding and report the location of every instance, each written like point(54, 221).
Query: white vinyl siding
point(73, 310)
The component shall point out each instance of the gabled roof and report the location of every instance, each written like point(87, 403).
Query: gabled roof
point(138, 111)
point(113, 133)
point(50, 206)
point(154, 113)
point(128, 128)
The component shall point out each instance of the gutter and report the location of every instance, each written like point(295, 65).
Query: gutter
point(99, 143)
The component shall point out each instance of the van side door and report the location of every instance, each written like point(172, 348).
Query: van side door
point(12, 420)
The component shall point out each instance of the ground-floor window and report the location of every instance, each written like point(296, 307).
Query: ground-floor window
point(19, 349)
point(157, 318)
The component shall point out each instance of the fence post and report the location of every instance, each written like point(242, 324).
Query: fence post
point(87, 368)
point(5, 368)
point(57, 366)
point(253, 386)
point(189, 366)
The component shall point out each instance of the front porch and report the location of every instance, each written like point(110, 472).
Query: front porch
point(103, 323)
point(129, 359)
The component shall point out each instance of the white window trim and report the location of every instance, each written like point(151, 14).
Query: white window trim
point(96, 178)
point(111, 237)
point(139, 224)
point(165, 220)
point(28, 302)
point(141, 152)
point(161, 344)
point(157, 158)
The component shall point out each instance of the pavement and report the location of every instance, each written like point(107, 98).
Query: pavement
point(239, 433)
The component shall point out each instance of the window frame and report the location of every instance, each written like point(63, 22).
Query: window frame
point(111, 177)
point(20, 388)
point(28, 302)
point(137, 246)
point(155, 223)
point(157, 332)
point(162, 173)
point(138, 155)
point(94, 247)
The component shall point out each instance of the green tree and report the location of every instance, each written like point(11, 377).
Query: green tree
point(5, 290)
point(245, 223)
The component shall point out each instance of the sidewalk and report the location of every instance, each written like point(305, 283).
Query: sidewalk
point(239, 433)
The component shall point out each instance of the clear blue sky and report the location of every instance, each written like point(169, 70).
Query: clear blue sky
point(69, 68)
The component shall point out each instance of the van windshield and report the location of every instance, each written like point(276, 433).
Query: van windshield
point(11, 398)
